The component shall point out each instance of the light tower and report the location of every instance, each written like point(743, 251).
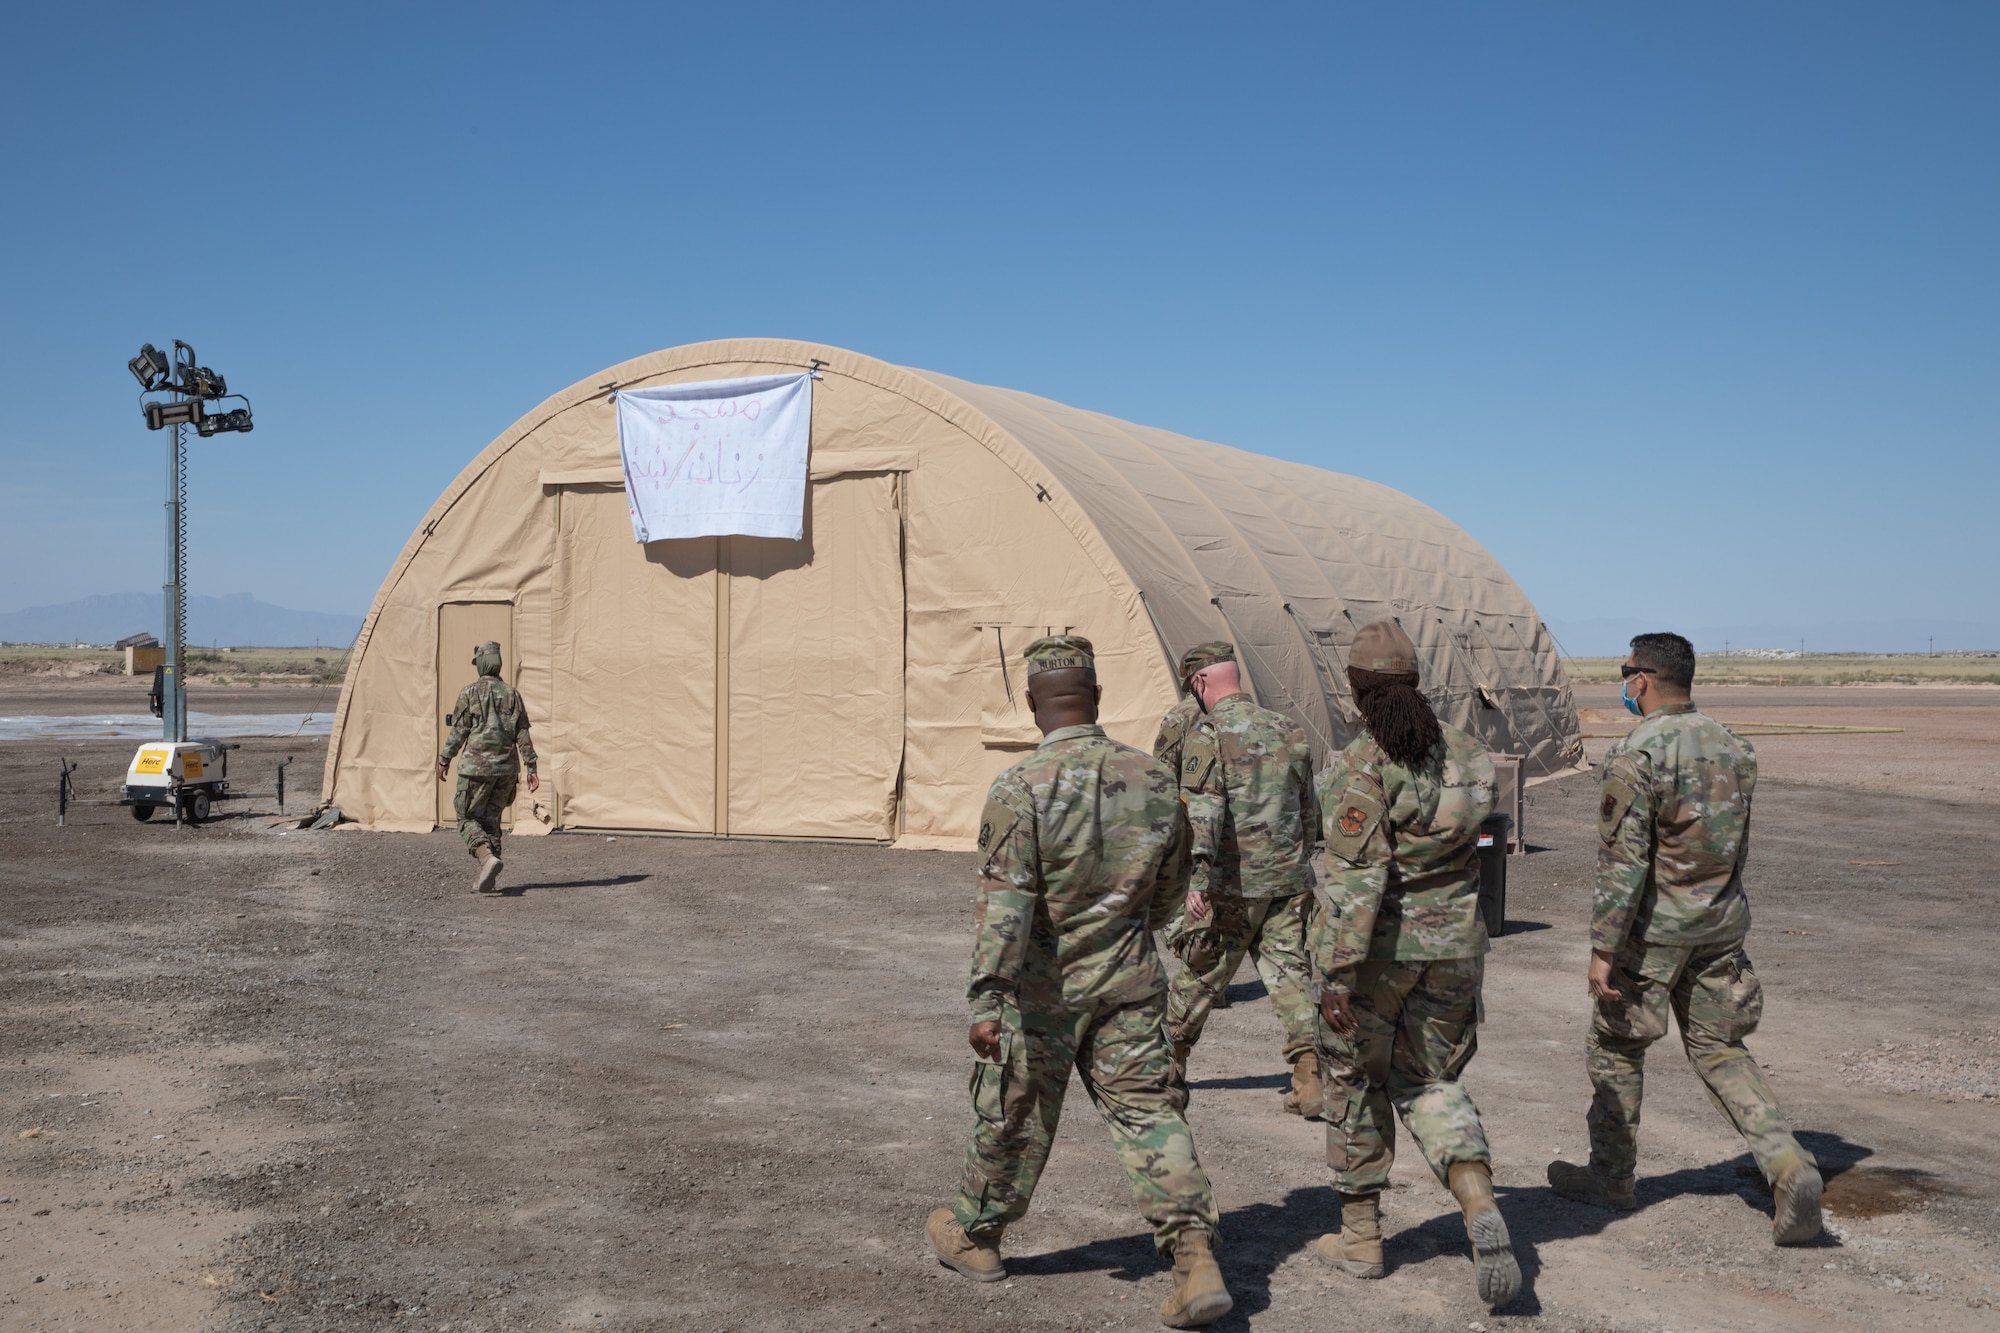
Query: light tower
point(176, 773)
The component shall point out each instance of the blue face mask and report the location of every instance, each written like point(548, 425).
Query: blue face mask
point(1631, 704)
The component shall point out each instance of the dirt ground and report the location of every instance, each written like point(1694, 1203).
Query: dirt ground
point(1946, 743)
point(255, 1078)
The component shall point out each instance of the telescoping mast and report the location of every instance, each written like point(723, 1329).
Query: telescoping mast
point(176, 773)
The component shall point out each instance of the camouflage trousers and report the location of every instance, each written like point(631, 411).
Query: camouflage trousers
point(1121, 1058)
point(479, 803)
point(1272, 931)
point(1418, 1025)
point(1717, 1000)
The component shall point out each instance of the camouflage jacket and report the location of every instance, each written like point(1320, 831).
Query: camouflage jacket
point(1402, 856)
point(1180, 720)
point(1081, 858)
point(1253, 816)
point(1673, 831)
point(487, 722)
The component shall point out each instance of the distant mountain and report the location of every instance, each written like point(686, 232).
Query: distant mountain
point(239, 621)
point(1611, 638)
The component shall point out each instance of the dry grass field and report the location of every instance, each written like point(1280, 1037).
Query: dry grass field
point(21, 663)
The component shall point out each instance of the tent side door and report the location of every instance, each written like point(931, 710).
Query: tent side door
point(461, 627)
point(813, 736)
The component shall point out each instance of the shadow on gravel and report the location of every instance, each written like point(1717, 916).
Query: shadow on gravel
point(1513, 927)
point(1537, 1215)
point(1256, 1240)
point(611, 882)
point(1240, 992)
point(1246, 1081)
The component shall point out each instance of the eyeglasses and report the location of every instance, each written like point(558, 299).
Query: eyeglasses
point(1627, 671)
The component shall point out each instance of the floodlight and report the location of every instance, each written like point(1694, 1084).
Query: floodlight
point(201, 382)
point(149, 367)
point(173, 414)
point(238, 419)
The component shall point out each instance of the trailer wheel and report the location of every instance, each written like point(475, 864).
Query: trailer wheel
point(198, 807)
point(142, 813)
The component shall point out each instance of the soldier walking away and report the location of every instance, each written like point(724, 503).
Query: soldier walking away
point(1186, 715)
point(1253, 818)
point(1668, 920)
point(488, 723)
point(1400, 949)
point(1081, 857)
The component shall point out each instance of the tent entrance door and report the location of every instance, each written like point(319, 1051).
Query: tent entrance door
point(632, 723)
point(462, 626)
point(810, 661)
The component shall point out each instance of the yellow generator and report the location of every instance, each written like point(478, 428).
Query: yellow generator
point(191, 774)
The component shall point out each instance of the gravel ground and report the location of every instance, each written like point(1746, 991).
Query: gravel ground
point(255, 1078)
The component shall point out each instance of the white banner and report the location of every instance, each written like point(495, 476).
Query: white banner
point(719, 458)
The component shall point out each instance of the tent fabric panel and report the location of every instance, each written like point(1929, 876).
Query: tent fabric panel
point(633, 740)
point(989, 563)
point(816, 669)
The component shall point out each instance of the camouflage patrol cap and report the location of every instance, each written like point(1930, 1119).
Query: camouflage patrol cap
point(1204, 655)
point(1383, 647)
point(1058, 652)
point(486, 658)
point(490, 648)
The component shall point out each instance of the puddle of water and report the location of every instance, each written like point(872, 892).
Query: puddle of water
point(145, 727)
point(1865, 1191)
point(1871, 1191)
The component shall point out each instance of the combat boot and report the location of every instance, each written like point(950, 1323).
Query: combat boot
point(978, 1257)
point(1357, 1247)
point(1796, 1191)
point(1583, 1184)
point(490, 865)
point(1494, 1269)
point(1307, 1094)
point(1199, 1296)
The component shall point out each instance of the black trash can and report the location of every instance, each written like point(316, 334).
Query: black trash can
point(1493, 873)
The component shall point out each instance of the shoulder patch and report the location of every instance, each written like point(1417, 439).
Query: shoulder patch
point(1618, 797)
point(1351, 818)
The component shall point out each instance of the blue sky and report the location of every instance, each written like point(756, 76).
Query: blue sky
point(1690, 314)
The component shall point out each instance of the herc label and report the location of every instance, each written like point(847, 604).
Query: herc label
point(190, 765)
point(151, 761)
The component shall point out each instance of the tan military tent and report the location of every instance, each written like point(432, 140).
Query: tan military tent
point(865, 682)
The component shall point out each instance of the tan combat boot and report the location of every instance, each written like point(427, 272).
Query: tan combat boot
point(1796, 1191)
point(1583, 1184)
point(488, 880)
point(1199, 1296)
point(977, 1258)
point(1357, 1247)
point(1494, 1269)
point(1307, 1094)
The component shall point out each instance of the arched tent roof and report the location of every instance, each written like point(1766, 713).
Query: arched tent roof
point(1176, 541)
point(1287, 561)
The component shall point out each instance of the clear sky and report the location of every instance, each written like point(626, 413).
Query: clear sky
point(1689, 313)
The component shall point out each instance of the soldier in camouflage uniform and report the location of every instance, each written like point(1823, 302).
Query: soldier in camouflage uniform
point(1186, 715)
point(1400, 952)
point(1081, 857)
point(488, 723)
point(1253, 818)
point(1668, 921)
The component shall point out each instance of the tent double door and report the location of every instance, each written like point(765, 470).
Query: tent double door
point(736, 685)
